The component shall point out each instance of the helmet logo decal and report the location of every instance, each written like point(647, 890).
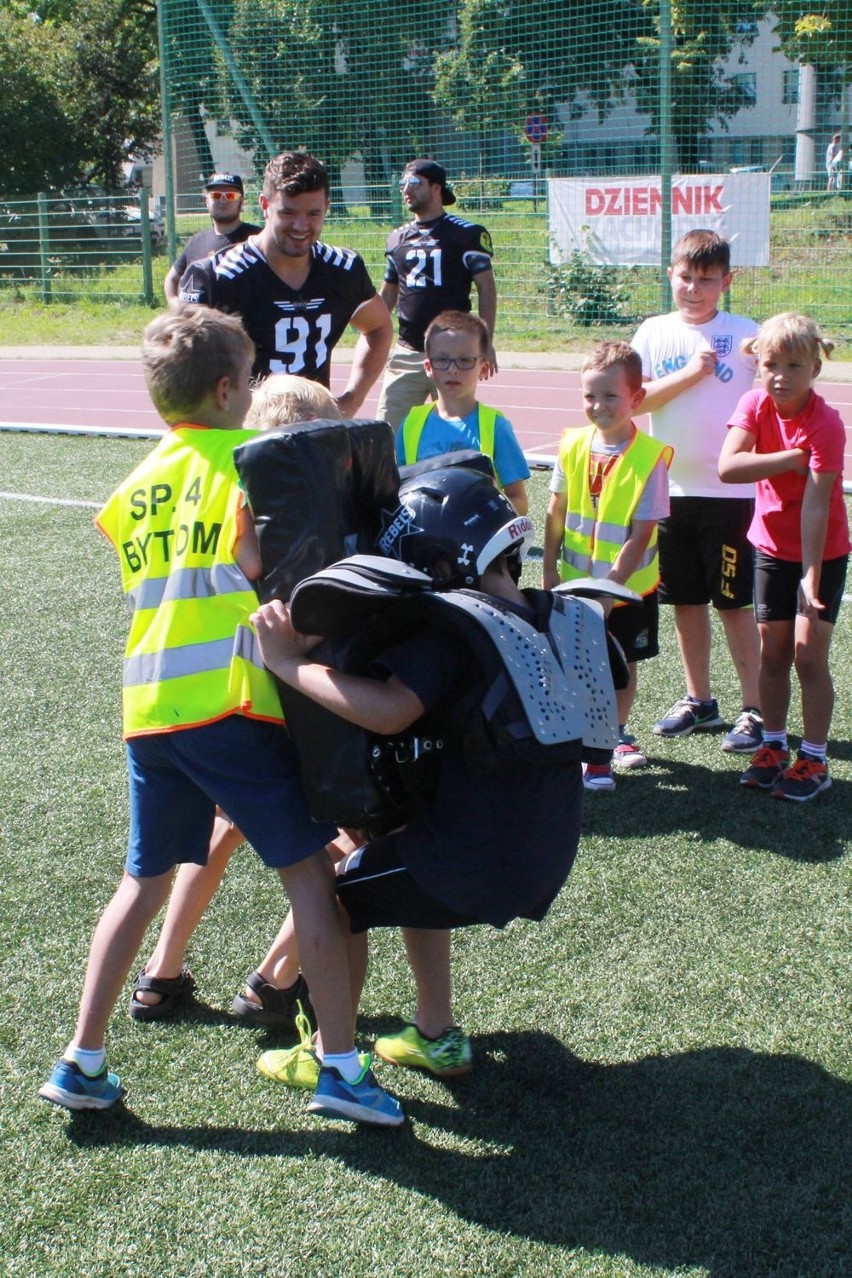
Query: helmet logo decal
point(465, 552)
point(395, 526)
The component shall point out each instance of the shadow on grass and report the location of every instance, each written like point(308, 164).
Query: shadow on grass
point(675, 797)
point(724, 1159)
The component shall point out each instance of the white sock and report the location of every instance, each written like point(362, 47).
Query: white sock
point(347, 1064)
point(817, 750)
point(90, 1062)
point(780, 737)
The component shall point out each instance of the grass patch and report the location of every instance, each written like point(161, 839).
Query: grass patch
point(662, 1082)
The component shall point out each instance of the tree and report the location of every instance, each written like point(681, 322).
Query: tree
point(37, 136)
point(78, 91)
point(510, 59)
point(822, 38)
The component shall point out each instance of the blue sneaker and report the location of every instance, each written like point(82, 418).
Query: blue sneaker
point(686, 716)
point(364, 1101)
point(69, 1086)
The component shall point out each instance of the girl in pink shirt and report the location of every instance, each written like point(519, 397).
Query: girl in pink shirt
point(790, 443)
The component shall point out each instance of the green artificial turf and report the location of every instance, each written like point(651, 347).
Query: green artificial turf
point(662, 1068)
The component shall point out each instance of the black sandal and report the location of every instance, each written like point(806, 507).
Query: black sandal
point(171, 989)
point(277, 1008)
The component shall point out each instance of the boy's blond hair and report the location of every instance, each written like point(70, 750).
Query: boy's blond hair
point(703, 249)
point(458, 322)
point(283, 398)
point(615, 355)
point(788, 331)
point(185, 352)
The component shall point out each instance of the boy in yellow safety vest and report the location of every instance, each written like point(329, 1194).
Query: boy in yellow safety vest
point(457, 346)
point(202, 720)
point(608, 491)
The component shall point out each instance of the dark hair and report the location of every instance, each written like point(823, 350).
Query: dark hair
point(184, 354)
point(294, 173)
point(459, 322)
point(615, 355)
point(703, 249)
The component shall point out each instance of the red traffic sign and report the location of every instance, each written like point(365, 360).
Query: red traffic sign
point(535, 128)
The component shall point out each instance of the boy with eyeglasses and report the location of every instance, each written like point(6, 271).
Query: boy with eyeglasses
point(456, 359)
point(224, 195)
point(433, 264)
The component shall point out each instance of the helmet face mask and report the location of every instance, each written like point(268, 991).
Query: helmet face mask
point(453, 523)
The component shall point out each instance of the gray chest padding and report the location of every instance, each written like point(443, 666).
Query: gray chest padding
point(546, 685)
point(561, 676)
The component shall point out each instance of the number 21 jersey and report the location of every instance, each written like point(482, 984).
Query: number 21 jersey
point(434, 263)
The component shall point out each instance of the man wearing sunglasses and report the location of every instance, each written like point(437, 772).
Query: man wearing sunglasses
point(433, 262)
point(224, 199)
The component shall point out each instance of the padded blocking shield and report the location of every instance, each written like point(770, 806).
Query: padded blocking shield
point(316, 490)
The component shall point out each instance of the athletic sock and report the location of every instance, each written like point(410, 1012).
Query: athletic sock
point(814, 749)
point(775, 738)
point(90, 1062)
point(347, 1064)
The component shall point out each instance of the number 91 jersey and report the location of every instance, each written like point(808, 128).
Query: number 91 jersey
point(294, 330)
point(433, 264)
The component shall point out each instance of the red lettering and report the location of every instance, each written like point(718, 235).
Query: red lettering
point(613, 208)
point(641, 199)
point(712, 199)
point(682, 200)
point(594, 201)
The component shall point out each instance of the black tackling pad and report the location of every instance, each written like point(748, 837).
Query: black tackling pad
point(316, 490)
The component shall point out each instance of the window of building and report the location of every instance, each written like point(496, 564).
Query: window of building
point(790, 90)
point(746, 82)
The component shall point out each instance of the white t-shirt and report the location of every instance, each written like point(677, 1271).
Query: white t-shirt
point(695, 421)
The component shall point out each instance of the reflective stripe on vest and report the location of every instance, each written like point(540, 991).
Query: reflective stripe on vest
point(593, 539)
point(191, 655)
point(415, 422)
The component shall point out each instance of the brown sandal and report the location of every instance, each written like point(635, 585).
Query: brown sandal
point(171, 989)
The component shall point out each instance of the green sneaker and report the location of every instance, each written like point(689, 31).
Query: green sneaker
point(297, 1066)
point(445, 1056)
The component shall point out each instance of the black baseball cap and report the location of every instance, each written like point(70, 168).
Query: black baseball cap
point(224, 179)
point(432, 172)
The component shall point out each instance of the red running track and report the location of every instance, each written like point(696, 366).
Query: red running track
point(110, 395)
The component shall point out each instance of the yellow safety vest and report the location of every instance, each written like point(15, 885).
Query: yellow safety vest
point(594, 538)
point(413, 426)
point(192, 656)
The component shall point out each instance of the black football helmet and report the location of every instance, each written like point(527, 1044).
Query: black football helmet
point(452, 523)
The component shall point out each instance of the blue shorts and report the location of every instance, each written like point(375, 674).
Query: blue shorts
point(245, 766)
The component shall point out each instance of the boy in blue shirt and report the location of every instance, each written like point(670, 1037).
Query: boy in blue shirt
point(457, 346)
point(202, 720)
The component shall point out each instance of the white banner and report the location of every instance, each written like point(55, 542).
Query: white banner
point(616, 221)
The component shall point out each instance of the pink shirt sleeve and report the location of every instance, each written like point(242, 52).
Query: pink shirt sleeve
point(745, 413)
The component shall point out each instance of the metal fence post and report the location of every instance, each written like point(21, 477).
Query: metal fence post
point(145, 228)
point(666, 152)
point(43, 246)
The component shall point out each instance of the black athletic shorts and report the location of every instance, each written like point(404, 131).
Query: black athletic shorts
point(636, 627)
point(705, 553)
point(776, 587)
point(376, 890)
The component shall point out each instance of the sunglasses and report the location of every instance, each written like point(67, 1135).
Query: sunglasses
point(230, 196)
point(464, 363)
point(411, 180)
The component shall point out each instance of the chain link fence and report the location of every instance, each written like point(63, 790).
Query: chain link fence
point(516, 100)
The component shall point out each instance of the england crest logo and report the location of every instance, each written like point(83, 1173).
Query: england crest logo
point(722, 345)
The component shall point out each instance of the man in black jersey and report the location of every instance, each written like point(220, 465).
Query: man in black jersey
point(296, 295)
point(432, 263)
point(224, 200)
